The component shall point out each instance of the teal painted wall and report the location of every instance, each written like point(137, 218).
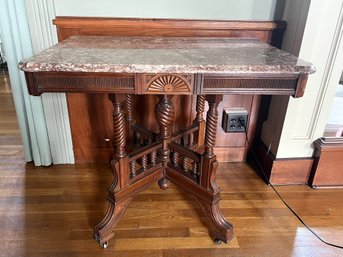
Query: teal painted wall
point(191, 9)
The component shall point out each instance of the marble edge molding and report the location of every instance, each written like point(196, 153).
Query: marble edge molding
point(141, 68)
point(65, 56)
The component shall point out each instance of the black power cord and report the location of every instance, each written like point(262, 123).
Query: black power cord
point(242, 123)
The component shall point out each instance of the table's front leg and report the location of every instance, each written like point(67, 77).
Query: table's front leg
point(220, 229)
point(116, 207)
point(123, 189)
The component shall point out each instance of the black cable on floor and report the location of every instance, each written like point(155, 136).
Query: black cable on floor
point(280, 197)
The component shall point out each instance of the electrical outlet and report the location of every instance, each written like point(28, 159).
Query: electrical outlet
point(235, 120)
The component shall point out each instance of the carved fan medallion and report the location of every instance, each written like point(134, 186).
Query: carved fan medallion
point(169, 83)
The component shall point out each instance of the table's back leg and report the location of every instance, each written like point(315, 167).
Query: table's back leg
point(199, 120)
point(128, 108)
point(164, 113)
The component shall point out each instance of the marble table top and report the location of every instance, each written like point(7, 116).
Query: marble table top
point(165, 55)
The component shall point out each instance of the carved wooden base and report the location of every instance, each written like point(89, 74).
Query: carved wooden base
point(219, 228)
point(185, 158)
point(208, 201)
point(115, 210)
point(120, 197)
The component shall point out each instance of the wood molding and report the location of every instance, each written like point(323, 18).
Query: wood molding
point(291, 171)
point(171, 27)
point(328, 163)
point(90, 83)
point(93, 141)
point(237, 85)
point(199, 24)
point(285, 171)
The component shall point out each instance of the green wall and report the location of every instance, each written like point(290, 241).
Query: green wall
point(191, 9)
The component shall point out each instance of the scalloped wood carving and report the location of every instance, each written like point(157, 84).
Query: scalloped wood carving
point(169, 84)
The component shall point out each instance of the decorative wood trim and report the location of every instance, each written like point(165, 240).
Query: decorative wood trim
point(291, 171)
point(174, 84)
point(237, 85)
point(67, 26)
point(301, 85)
point(79, 82)
point(31, 85)
point(76, 22)
point(281, 171)
point(170, 27)
point(168, 84)
point(328, 163)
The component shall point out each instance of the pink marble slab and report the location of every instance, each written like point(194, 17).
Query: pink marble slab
point(165, 55)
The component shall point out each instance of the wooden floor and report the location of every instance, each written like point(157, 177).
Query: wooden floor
point(51, 211)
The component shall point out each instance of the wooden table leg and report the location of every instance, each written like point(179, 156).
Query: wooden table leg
point(164, 113)
point(205, 190)
point(128, 106)
point(104, 230)
point(199, 120)
point(121, 191)
point(220, 229)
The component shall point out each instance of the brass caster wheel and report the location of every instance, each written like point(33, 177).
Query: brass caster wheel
point(217, 241)
point(104, 245)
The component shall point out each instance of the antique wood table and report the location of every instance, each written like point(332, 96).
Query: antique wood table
point(126, 66)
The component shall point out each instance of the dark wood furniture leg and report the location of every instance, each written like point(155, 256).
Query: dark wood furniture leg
point(124, 186)
point(220, 229)
point(165, 113)
point(128, 107)
point(199, 119)
point(200, 181)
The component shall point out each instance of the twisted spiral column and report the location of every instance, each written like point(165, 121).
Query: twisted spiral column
point(185, 162)
point(195, 169)
point(128, 108)
point(133, 169)
point(211, 125)
point(200, 107)
point(165, 114)
point(144, 162)
point(119, 138)
point(175, 158)
point(153, 157)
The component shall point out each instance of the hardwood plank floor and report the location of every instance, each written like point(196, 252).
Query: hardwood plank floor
point(51, 211)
